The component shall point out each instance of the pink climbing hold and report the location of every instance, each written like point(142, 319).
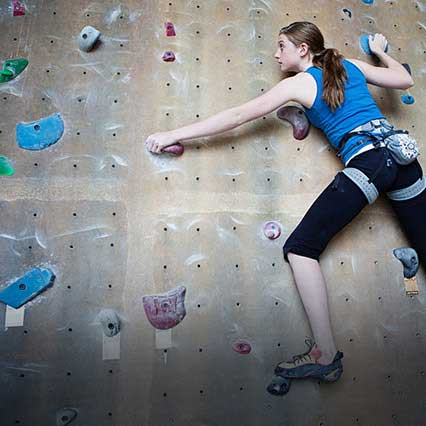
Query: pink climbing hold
point(242, 347)
point(165, 310)
point(297, 118)
point(175, 149)
point(18, 8)
point(170, 29)
point(272, 230)
point(168, 56)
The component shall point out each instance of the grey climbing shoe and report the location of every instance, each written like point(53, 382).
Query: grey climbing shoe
point(305, 365)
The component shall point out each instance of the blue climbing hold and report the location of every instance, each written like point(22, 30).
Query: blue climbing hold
point(407, 99)
point(27, 287)
point(368, 1)
point(407, 67)
point(363, 41)
point(40, 134)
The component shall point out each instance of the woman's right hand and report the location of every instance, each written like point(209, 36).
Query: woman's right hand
point(377, 43)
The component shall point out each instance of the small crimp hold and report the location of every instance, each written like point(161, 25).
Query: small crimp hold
point(170, 29)
point(87, 38)
point(242, 347)
point(168, 56)
point(175, 149)
point(272, 230)
point(409, 259)
point(18, 8)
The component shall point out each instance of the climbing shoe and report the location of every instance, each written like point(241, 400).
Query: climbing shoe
point(306, 365)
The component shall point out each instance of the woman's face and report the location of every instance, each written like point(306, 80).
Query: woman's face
point(287, 54)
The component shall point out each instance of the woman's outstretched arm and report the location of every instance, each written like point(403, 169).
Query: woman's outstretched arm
point(280, 94)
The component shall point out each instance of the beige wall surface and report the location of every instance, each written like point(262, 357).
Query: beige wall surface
point(116, 222)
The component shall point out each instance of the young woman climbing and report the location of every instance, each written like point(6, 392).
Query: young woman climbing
point(333, 90)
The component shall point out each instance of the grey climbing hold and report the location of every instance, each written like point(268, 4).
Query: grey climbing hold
point(409, 259)
point(88, 37)
point(110, 322)
point(65, 416)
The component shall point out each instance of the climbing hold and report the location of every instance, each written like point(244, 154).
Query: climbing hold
point(279, 385)
point(65, 416)
point(175, 149)
point(165, 310)
point(409, 259)
point(40, 134)
point(297, 118)
point(110, 322)
point(242, 347)
point(368, 1)
point(12, 68)
point(18, 8)
point(88, 37)
point(407, 67)
point(5, 168)
point(170, 29)
point(168, 56)
point(27, 287)
point(347, 12)
point(272, 230)
point(365, 45)
point(407, 99)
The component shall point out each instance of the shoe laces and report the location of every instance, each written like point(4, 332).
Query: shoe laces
point(302, 357)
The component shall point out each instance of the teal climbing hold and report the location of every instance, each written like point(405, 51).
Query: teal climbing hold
point(27, 287)
point(12, 68)
point(5, 168)
point(40, 134)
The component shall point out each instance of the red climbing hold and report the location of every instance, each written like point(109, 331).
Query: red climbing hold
point(18, 8)
point(165, 310)
point(170, 29)
point(168, 56)
point(175, 149)
point(242, 347)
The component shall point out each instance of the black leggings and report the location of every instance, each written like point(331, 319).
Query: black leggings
point(342, 200)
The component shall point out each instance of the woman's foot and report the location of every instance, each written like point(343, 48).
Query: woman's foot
point(312, 363)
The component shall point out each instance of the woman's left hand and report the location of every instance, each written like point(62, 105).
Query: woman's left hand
point(158, 141)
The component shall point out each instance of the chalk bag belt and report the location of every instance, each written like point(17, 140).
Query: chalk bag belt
point(363, 183)
point(410, 192)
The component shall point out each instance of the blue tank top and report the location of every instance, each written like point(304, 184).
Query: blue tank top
point(358, 108)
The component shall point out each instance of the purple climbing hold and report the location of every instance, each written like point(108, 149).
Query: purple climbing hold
point(18, 8)
point(170, 29)
point(165, 310)
point(297, 118)
point(242, 347)
point(168, 56)
point(272, 230)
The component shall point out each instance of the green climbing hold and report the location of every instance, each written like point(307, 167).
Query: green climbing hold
point(5, 168)
point(12, 68)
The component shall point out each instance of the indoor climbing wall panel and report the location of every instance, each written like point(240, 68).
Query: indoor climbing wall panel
point(144, 289)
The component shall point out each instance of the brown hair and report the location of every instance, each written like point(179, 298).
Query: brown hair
point(334, 74)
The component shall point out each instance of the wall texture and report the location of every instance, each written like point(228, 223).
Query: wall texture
point(116, 223)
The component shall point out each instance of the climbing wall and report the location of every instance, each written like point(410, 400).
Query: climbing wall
point(146, 290)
